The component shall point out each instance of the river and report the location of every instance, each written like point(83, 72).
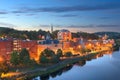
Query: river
point(104, 67)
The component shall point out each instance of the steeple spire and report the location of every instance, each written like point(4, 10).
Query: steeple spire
point(51, 28)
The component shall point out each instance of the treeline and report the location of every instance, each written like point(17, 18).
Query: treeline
point(85, 35)
point(22, 59)
point(33, 35)
point(36, 35)
point(111, 35)
point(117, 45)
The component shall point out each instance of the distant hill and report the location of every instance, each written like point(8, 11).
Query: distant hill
point(5, 30)
point(85, 35)
point(10, 32)
point(112, 35)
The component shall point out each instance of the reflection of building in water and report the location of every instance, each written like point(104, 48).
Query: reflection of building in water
point(81, 63)
point(55, 74)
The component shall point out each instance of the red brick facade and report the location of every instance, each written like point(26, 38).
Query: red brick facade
point(7, 46)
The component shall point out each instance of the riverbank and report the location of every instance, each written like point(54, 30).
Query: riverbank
point(116, 47)
point(45, 71)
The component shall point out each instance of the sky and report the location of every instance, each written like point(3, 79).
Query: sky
point(74, 15)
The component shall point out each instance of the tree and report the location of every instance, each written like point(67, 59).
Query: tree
point(68, 54)
point(3, 67)
point(43, 59)
point(48, 53)
point(82, 50)
point(54, 59)
point(59, 53)
point(54, 34)
point(24, 56)
point(14, 58)
point(48, 56)
point(85, 35)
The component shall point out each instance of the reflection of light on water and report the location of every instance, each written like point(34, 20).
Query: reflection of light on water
point(97, 56)
point(110, 56)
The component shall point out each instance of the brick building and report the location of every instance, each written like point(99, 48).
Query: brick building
point(7, 46)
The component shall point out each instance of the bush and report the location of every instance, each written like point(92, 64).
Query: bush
point(43, 59)
point(14, 58)
point(3, 67)
point(48, 56)
point(21, 58)
point(68, 54)
point(59, 53)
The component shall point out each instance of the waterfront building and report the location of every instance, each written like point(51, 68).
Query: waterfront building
point(64, 35)
point(9, 45)
point(6, 47)
point(64, 42)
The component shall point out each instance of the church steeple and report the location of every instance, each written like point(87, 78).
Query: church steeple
point(51, 28)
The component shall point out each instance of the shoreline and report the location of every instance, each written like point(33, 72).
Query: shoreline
point(45, 71)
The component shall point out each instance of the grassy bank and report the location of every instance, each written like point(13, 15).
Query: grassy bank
point(48, 70)
point(117, 45)
point(57, 66)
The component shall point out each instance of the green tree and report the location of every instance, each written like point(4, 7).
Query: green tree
point(48, 53)
point(24, 57)
point(68, 54)
point(54, 34)
point(48, 56)
point(43, 59)
point(14, 58)
point(82, 51)
point(54, 59)
point(59, 53)
point(87, 50)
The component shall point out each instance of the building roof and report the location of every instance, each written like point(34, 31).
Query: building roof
point(64, 30)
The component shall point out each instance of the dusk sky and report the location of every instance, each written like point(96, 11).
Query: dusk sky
point(75, 15)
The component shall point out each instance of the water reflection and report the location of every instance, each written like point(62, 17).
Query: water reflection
point(81, 63)
point(54, 74)
point(69, 67)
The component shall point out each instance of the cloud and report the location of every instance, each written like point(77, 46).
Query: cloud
point(43, 25)
point(105, 17)
point(68, 15)
point(3, 12)
point(48, 25)
point(93, 26)
point(30, 14)
point(79, 26)
point(114, 12)
point(3, 17)
point(102, 25)
point(2, 24)
point(107, 6)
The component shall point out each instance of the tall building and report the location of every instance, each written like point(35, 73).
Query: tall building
point(64, 35)
point(17, 45)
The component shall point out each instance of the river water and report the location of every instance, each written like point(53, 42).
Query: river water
point(104, 67)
